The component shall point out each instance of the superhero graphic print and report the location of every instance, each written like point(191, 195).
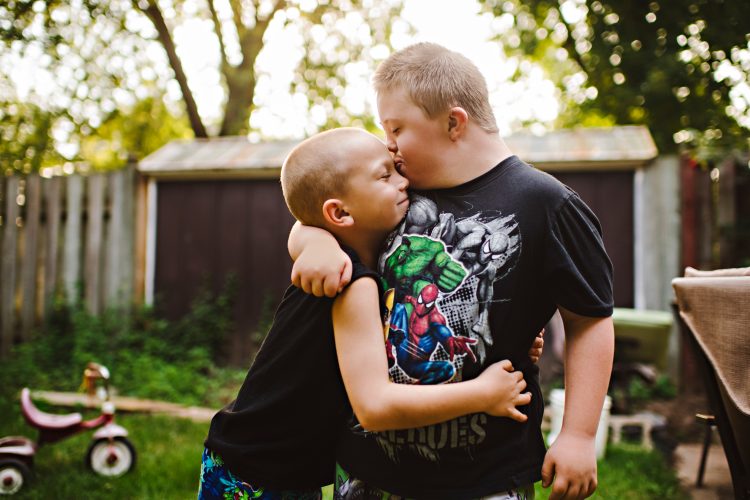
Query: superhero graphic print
point(442, 270)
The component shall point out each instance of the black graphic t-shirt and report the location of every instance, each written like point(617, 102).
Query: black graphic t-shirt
point(477, 271)
point(280, 432)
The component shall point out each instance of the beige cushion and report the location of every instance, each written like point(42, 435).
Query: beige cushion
point(691, 272)
point(717, 310)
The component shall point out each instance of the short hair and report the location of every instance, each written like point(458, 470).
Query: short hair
point(436, 80)
point(315, 171)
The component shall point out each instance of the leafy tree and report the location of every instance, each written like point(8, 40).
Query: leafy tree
point(134, 133)
point(98, 56)
point(680, 67)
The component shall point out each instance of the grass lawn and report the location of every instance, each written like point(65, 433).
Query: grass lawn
point(168, 462)
point(169, 453)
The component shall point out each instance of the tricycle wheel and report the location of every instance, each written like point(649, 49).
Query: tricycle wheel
point(111, 457)
point(13, 475)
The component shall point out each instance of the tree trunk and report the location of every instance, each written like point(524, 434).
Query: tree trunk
point(153, 12)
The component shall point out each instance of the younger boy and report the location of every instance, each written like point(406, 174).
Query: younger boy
point(528, 246)
point(277, 439)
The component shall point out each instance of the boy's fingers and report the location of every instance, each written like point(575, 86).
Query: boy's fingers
point(346, 273)
point(296, 279)
point(317, 289)
point(548, 471)
point(330, 286)
point(506, 365)
point(559, 489)
point(591, 488)
point(517, 415)
point(523, 399)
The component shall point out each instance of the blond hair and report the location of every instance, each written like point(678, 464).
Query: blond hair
point(436, 80)
point(315, 171)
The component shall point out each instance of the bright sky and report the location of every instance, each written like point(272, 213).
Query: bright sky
point(455, 24)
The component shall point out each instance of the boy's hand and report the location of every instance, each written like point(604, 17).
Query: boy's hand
point(570, 467)
point(322, 273)
point(504, 390)
point(535, 353)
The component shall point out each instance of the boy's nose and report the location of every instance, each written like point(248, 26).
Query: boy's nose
point(391, 144)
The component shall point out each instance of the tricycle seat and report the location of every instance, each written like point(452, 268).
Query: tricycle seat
point(37, 418)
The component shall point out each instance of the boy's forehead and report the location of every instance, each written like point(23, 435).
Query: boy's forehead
point(392, 102)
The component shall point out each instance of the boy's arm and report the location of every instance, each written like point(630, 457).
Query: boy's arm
point(320, 266)
point(382, 405)
point(570, 463)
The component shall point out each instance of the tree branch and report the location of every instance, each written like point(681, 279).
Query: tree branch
point(237, 14)
point(152, 11)
point(219, 33)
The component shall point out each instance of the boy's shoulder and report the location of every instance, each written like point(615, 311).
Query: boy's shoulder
point(525, 182)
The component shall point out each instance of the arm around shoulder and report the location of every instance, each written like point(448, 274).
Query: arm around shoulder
point(320, 267)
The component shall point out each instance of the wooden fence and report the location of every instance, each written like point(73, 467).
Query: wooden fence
point(64, 238)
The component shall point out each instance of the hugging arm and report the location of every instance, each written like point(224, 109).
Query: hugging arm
point(320, 266)
point(382, 405)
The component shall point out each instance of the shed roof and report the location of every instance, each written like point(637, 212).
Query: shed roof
point(610, 148)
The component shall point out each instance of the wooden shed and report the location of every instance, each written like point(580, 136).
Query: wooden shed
point(213, 208)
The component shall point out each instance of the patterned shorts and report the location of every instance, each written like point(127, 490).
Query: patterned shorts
point(347, 487)
point(218, 483)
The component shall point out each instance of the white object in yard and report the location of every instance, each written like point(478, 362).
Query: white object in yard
point(557, 405)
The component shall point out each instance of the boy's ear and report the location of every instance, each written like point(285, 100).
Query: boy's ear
point(458, 118)
point(334, 213)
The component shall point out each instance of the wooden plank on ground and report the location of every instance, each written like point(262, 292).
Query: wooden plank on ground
point(94, 226)
point(29, 264)
point(73, 399)
point(8, 267)
point(53, 209)
point(72, 243)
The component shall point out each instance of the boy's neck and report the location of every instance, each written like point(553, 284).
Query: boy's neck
point(365, 244)
point(476, 154)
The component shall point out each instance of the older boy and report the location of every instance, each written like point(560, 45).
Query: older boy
point(277, 439)
point(528, 245)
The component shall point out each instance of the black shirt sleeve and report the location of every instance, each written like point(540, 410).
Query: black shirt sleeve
point(578, 270)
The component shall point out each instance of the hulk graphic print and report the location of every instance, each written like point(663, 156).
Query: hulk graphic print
point(423, 270)
point(442, 269)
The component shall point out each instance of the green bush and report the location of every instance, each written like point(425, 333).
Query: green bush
point(148, 356)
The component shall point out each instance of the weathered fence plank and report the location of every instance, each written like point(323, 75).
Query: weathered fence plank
point(94, 230)
point(127, 263)
point(29, 263)
point(116, 245)
point(53, 190)
point(8, 282)
point(72, 243)
point(69, 232)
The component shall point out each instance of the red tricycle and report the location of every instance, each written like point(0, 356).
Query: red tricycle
point(110, 453)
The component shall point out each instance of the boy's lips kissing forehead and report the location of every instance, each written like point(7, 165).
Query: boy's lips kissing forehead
point(399, 162)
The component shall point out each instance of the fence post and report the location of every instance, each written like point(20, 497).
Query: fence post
point(114, 252)
point(92, 264)
point(72, 244)
point(8, 282)
point(29, 263)
point(53, 210)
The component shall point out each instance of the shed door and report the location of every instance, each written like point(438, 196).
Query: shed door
point(610, 196)
point(209, 230)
